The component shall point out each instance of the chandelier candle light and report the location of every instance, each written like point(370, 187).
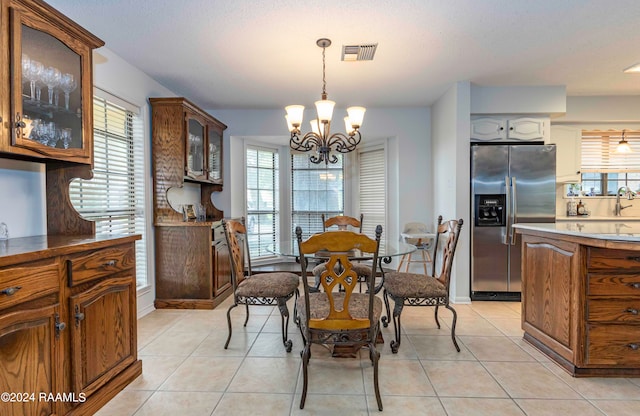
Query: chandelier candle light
point(320, 139)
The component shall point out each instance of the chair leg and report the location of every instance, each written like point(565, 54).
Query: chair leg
point(247, 317)
point(436, 316)
point(453, 326)
point(375, 357)
point(284, 318)
point(397, 311)
point(385, 319)
point(226, 344)
point(306, 353)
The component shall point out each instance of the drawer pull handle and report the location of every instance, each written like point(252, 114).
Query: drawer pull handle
point(10, 290)
point(635, 285)
point(632, 258)
point(634, 347)
point(110, 263)
point(632, 311)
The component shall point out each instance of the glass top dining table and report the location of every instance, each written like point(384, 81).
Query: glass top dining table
point(289, 248)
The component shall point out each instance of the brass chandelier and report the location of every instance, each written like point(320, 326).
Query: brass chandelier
point(319, 139)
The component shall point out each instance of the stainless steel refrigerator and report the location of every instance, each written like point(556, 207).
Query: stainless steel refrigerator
point(510, 183)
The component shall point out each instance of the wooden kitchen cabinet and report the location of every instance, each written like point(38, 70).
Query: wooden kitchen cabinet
point(504, 129)
point(195, 273)
point(48, 85)
point(581, 302)
point(102, 321)
point(67, 322)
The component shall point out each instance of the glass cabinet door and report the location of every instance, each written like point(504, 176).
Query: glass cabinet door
point(195, 149)
point(49, 112)
point(215, 156)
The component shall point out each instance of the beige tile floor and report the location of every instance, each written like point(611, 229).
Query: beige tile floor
point(186, 371)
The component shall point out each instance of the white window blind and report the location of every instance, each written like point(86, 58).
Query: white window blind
point(373, 189)
point(263, 209)
point(316, 189)
point(598, 151)
point(114, 197)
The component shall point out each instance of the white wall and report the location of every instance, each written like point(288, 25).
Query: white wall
point(22, 192)
point(518, 100)
point(450, 148)
point(601, 109)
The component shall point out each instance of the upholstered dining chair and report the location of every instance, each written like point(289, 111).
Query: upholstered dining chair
point(412, 289)
point(339, 318)
point(264, 289)
point(343, 222)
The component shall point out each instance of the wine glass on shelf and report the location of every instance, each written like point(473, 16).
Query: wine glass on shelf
point(65, 135)
point(32, 70)
point(51, 78)
point(68, 84)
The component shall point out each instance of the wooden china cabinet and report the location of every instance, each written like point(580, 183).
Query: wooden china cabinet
point(68, 341)
point(192, 259)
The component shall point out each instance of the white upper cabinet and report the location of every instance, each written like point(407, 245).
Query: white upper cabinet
point(516, 129)
point(568, 153)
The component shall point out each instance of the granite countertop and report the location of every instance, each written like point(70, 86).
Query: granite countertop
point(603, 230)
point(579, 218)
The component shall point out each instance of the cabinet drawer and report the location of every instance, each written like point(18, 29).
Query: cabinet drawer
point(601, 258)
point(23, 283)
point(100, 263)
point(623, 310)
point(614, 284)
point(613, 345)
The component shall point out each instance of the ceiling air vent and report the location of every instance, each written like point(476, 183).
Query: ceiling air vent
point(363, 52)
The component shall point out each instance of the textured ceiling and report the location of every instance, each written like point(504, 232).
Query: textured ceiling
point(262, 54)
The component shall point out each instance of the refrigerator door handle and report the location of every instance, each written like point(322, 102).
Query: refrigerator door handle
point(505, 235)
point(514, 211)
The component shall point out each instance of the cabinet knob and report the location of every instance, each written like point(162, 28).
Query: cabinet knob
point(632, 258)
point(634, 285)
point(110, 263)
point(634, 346)
point(10, 290)
point(632, 311)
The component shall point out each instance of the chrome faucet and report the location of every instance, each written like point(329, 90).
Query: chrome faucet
point(619, 207)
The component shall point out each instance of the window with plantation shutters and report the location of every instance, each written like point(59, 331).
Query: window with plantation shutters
point(114, 197)
point(316, 189)
point(263, 216)
point(372, 189)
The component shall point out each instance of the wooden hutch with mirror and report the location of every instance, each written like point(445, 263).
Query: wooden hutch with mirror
point(192, 260)
point(67, 299)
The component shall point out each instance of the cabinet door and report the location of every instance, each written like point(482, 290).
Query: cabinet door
point(214, 154)
point(525, 129)
point(102, 327)
point(488, 129)
point(195, 143)
point(29, 357)
point(51, 91)
point(568, 141)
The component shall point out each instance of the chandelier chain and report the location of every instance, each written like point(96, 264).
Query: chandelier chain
point(324, 79)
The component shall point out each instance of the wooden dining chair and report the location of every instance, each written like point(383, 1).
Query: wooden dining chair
point(339, 318)
point(414, 289)
point(262, 289)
